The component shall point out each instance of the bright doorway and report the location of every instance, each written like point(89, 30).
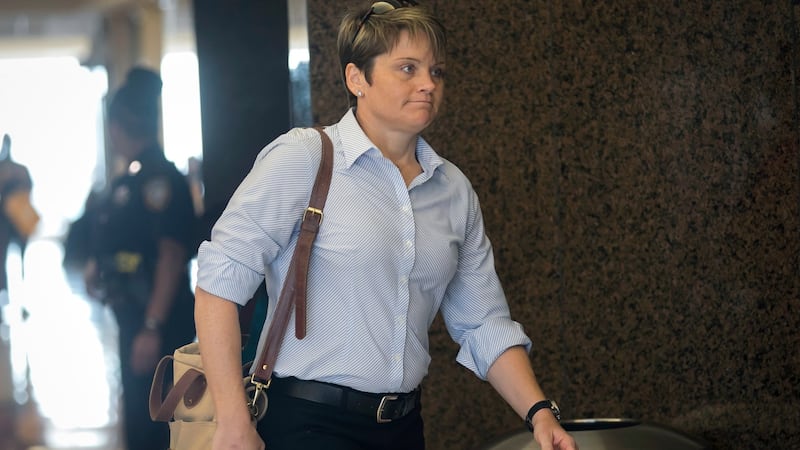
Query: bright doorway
point(52, 107)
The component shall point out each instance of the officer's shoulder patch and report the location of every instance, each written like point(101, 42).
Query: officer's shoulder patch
point(157, 193)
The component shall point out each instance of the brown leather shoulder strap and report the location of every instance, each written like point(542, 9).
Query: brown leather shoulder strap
point(294, 287)
point(192, 385)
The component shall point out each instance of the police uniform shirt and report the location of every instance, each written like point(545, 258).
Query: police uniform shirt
point(150, 202)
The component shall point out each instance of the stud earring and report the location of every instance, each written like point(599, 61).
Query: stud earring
point(360, 94)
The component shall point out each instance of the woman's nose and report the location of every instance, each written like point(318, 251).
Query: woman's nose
point(427, 83)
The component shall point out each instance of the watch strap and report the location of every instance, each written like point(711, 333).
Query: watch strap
point(543, 404)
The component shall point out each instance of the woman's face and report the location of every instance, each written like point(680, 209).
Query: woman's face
point(407, 87)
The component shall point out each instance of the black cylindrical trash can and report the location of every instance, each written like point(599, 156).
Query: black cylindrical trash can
point(608, 434)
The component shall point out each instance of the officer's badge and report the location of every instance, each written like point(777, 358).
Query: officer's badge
point(121, 195)
point(156, 194)
point(127, 262)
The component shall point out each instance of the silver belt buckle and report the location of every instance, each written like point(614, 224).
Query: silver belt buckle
point(379, 414)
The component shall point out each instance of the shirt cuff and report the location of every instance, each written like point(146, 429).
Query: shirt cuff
point(486, 343)
point(221, 276)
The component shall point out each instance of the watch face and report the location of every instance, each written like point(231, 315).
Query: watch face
point(556, 411)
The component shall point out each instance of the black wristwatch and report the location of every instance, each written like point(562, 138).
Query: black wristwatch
point(541, 405)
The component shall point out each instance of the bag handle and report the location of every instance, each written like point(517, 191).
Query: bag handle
point(189, 388)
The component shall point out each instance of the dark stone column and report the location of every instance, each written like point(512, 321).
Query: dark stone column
point(242, 50)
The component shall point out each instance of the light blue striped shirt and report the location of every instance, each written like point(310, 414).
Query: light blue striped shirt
point(386, 259)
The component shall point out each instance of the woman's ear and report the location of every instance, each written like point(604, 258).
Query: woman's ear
point(354, 78)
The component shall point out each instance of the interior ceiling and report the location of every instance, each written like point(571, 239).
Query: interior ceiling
point(70, 25)
point(44, 18)
point(33, 27)
point(56, 6)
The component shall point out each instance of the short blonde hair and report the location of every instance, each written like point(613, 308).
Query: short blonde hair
point(363, 35)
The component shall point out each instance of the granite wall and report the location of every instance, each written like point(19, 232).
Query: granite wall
point(242, 49)
point(638, 164)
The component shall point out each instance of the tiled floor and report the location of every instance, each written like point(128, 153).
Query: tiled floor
point(57, 356)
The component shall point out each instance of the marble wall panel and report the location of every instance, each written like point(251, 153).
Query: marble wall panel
point(638, 167)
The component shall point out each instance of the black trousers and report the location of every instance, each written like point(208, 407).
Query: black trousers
point(141, 433)
point(297, 424)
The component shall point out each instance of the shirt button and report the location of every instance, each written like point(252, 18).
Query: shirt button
point(397, 357)
point(409, 244)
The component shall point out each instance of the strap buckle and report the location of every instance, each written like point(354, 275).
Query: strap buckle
point(382, 406)
point(313, 211)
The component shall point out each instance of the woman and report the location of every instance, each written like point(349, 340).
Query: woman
point(140, 252)
point(402, 238)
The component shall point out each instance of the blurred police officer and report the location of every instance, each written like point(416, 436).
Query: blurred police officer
point(14, 180)
point(142, 244)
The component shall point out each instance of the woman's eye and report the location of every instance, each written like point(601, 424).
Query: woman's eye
point(408, 68)
point(437, 72)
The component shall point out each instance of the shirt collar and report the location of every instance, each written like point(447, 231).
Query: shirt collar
point(355, 143)
point(150, 153)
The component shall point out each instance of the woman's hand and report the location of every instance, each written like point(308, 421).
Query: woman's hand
point(512, 376)
point(238, 435)
point(549, 434)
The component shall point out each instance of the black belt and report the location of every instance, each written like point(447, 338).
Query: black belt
point(383, 407)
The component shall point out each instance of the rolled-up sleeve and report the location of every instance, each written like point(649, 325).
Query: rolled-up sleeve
point(224, 277)
point(260, 218)
point(475, 309)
